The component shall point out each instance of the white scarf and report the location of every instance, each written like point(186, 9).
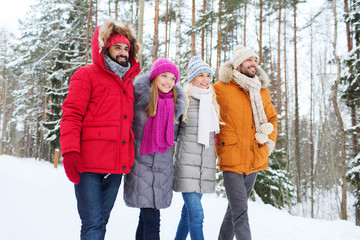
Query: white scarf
point(208, 119)
point(253, 87)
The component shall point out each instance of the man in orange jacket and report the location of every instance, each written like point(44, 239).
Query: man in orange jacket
point(246, 139)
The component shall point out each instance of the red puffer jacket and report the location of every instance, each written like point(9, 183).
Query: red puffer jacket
point(98, 112)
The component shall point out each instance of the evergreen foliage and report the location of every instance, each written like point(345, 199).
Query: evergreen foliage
point(273, 185)
point(352, 95)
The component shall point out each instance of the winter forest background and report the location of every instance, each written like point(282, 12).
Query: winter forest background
point(310, 49)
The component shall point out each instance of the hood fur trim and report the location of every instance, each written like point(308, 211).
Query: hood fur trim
point(226, 74)
point(143, 91)
point(110, 26)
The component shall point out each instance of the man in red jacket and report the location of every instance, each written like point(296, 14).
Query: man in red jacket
point(96, 137)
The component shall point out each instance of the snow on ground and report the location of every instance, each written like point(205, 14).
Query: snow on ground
point(38, 202)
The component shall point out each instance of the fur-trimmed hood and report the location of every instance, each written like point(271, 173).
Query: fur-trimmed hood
point(226, 74)
point(143, 91)
point(102, 34)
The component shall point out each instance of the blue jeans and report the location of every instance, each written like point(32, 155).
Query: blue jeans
point(96, 194)
point(149, 224)
point(192, 217)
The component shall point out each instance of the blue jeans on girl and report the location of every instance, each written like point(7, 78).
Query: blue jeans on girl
point(149, 224)
point(96, 194)
point(192, 217)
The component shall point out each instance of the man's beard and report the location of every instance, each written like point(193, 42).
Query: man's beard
point(124, 63)
point(249, 74)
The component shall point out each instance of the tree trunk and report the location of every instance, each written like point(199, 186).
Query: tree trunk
point(219, 40)
point(178, 33)
point(88, 34)
point(203, 33)
point(42, 141)
point(278, 94)
point(297, 136)
point(226, 34)
point(260, 31)
point(272, 79)
point(340, 121)
point(4, 102)
point(169, 34)
point(245, 17)
point(311, 125)
point(211, 37)
point(166, 26)
point(109, 5)
point(278, 87)
point(156, 31)
point(287, 134)
point(355, 140)
point(132, 12)
point(116, 9)
point(140, 29)
point(348, 37)
point(192, 52)
point(96, 14)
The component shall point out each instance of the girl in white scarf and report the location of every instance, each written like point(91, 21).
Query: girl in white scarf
point(195, 164)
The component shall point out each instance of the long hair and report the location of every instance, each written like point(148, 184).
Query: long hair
point(151, 108)
point(187, 89)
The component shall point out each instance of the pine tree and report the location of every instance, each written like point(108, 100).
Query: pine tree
point(53, 41)
point(352, 94)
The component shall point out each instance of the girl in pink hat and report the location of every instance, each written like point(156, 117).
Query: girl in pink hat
point(159, 102)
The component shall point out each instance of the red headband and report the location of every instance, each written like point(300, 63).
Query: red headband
point(117, 38)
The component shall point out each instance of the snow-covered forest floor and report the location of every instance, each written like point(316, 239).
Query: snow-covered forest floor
point(37, 202)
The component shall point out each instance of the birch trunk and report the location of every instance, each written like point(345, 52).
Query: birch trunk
point(339, 118)
point(311, 125)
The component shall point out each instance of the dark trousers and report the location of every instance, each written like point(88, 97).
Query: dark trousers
point(149, 224)
point(236, 222)
point(95, 196)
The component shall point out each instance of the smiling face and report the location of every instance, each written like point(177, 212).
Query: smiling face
point(202, 80)
point(248, 67)
point(119, 53)
point(165, 82)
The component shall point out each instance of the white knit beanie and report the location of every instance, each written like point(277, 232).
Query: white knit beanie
point(241, 53)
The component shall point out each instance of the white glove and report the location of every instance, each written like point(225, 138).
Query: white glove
point(266, 128)
point(261, 138)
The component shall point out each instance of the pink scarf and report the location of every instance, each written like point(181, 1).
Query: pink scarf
point(159, 130)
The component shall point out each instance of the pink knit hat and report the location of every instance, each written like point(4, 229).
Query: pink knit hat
point(163, 65)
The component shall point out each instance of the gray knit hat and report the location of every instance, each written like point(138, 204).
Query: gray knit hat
point(241, 53)
point(196, 66)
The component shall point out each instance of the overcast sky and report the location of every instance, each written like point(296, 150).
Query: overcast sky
point(11, 11)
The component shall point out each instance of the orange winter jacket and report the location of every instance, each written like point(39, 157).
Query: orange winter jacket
point(237, 149)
